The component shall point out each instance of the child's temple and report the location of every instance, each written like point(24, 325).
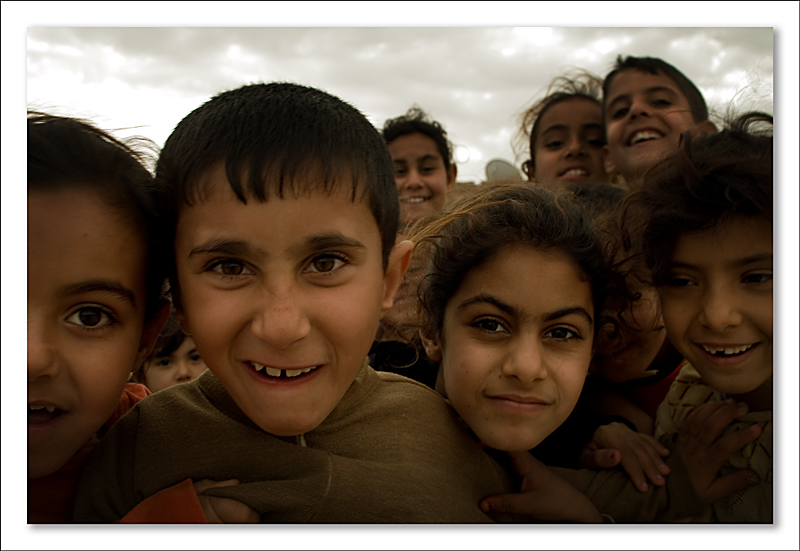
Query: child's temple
point(288, 314)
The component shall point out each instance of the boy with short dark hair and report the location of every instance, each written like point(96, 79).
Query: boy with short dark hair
point(647, 105)
point(281, 204)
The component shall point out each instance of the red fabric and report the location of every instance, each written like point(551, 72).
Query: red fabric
point(51, 498)
point(649, 397)
point(174, 505)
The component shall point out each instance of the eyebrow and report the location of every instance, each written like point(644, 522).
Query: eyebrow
point(333, 240)
point(556, 127)
point(99, 286)
point(227, 247)
point(736, 263)
point(647, 91)
point(511, 311)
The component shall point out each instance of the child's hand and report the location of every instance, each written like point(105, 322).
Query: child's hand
point(704, 452)
point(544, 496)
point(640, 454)
point(223, 510)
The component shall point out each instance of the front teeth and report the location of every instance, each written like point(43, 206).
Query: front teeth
point(727, 351)
point(415, 199)
point(643, 136)
point(576, 172)
point(50, 409)
point(273, 372)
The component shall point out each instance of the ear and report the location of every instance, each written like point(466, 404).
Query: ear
point(704, 128)
point(451, 177)
point(609, 164)
point(432, 347)
point(399, 260)
point(150, 333)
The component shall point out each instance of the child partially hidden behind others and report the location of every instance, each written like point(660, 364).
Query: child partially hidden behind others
point(282, 205)
point(705, 224)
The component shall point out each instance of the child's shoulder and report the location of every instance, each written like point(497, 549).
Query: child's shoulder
point(687, 391)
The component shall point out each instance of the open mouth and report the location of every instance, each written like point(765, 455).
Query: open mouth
point(414, 199)
point(574, 172)
point(727, 352)
point(39, 415)
point(644, 136)
point(280, 373)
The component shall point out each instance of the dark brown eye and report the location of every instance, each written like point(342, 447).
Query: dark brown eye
point(324, 264)
point(90, 316)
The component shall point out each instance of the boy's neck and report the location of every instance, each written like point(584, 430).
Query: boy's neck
point(759, 399)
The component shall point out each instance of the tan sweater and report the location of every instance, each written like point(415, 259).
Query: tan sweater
point(754, 504)
point(391, 451)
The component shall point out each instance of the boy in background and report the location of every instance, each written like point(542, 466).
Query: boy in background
point(282, 206)
point(647, 105)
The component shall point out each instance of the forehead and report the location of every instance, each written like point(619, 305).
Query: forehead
point(572, 112)
point(509, 275)
point(413, 146)
point(634, 81)
point(740, 238)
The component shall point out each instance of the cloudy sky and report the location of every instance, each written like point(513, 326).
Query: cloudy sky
point(141, 67)
point(475, 81)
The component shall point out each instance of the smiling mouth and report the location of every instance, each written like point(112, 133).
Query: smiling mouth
point(727, 352)
point(575, 172)
point(39, 415)
point(644, 136)
point(280, 373)
point(413, 200)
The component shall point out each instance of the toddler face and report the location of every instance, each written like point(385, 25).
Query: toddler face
point(645, 115)
point(422, 179)
point(282, 298)
point(569, 147)
point(184, 364)
point(717, 304)
point(86, 303)
point(516, 346)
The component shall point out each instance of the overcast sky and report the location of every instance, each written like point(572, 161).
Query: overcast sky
point(475, 81)
point(473, 68)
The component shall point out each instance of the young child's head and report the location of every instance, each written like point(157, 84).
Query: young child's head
point(423, 163)
point(509, 307)
point(564, 133)
point(283, 209)
point(95, 274)
point(174, 360)
point(647, 105)
point(705, 222)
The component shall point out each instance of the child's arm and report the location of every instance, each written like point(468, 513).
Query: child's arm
point(544, 495)
point(639, 454)
point(704, 450)
point(185, 503)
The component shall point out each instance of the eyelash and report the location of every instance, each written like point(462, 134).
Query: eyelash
point(110, 319)
point(763, 278)
point(572, 334)
point(327, 256)
point(481, 325)
point(212, 267)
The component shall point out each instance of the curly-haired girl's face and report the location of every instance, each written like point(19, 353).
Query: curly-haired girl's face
point(423, 181)
point(515, 346)
point(569, 144)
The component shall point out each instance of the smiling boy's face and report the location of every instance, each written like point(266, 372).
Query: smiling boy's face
point(283, 298)
point(717, 304)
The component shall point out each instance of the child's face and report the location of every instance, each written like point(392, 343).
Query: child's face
point(283, 298)
point(718, 304)
point(516, 346)
point(569, 147)
point(423, 182)
point(86, 302)
point(184, 364)
point(645, 115)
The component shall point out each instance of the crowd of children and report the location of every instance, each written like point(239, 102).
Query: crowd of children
point(594, 345)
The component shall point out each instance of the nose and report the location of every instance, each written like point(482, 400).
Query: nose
point(525, 361)
point(639, 108)
point(42, 357)
point(719, 310)
point(183, 373)
point(576, 147)
point(280, 320)
point(412, 180)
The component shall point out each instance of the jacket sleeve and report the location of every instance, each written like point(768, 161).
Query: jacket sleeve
point(613, 493)
point(174, 505)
